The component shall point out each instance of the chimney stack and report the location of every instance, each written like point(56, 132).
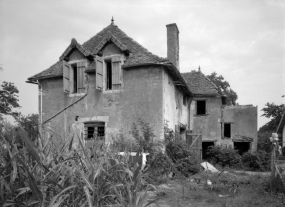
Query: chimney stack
point(173, 44)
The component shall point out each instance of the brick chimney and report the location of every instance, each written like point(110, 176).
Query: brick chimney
point(173, 44)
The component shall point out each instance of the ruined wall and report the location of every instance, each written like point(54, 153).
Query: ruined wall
point(243, 121)
point(141, 97)
point(174, 110)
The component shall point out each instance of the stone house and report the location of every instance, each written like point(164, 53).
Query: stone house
point(104, 85)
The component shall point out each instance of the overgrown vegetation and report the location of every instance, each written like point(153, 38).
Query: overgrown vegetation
point(228, 157)
point(58, 175)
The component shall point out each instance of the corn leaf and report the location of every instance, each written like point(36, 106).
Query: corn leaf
point(30, 146)
point(86, 190)
point(53, 200)
point(33, 186)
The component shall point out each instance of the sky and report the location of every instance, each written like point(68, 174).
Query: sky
point(242, 40)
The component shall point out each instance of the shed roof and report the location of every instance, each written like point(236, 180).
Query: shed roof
point(199, 84)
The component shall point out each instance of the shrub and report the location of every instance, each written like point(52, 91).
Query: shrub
point(177, 150)
point(224, 156)
point(259, 161)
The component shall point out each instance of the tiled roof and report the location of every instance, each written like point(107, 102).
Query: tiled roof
point(137, 53)
point(199, 84)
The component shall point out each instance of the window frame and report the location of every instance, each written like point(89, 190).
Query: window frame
point(113, 59)
point(71, 77)
point(201, 114)
point(230, 130)
point(94, 124)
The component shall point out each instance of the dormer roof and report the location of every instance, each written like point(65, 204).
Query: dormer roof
point(75, 45)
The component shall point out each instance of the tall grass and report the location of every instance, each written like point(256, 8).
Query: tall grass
point(58, 175)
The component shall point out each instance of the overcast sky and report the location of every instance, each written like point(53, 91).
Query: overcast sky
point(244, 41)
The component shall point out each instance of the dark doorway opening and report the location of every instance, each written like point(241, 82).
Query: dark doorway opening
point(242, 147)
point(205, 146)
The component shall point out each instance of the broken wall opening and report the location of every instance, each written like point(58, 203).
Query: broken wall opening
point(205, 146)
point(242, 147)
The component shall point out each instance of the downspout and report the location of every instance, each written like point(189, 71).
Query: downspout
point(41, 94)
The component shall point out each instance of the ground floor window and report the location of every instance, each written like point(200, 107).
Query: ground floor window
point(94, 130)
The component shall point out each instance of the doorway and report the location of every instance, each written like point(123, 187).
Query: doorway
point(205, 146)
point(242, 147)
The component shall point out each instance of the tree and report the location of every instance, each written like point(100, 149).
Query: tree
point(9, 99)
point(274, 112)
point(224, 86)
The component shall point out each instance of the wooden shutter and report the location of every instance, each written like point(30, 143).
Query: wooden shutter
point(99, 73)
point(66, 81)
point(116, 71)
point(80, 77)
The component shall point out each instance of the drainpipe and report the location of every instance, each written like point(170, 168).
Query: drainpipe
point(41, 94)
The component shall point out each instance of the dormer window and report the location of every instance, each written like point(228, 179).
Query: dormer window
point(108, 73)
point(73, 76)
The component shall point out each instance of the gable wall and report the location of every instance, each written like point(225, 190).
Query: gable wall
point(141, 97)
point(76, 55)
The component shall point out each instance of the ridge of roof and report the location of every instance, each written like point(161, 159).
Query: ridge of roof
point(199, 84)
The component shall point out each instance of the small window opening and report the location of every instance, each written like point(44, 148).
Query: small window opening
point(74, 67)
point(227, 130)
point(242, 147)
point(224, 100)
point(109, 75)
point(201, 107)
point(184, 100)
point(94, 130)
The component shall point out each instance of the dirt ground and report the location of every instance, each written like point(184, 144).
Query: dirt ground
point(231, 190)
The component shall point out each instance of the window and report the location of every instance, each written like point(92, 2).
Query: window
point(184, 100)
point(227, 130)
point(73, 77)
point(94, 130)
point(201, 108)
point(111, 78)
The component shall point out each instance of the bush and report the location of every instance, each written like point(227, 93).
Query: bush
point(177, 150)
point(259, 161)
point(226, 157)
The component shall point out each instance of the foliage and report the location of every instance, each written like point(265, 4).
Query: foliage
point(144, 137)
point(273, 112)
point(177, 150)
point(8, 99)
point(226, 157)
point(259, 161)
point(224, 86)
point(159, 168)
point(58, 175)
point(263, 140)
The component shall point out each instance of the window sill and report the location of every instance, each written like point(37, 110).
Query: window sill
point(113, 91)
point(198, 115)
point(76, 94)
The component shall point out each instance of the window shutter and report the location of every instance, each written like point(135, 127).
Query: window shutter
point(99, 73)
point(80, 77)
point(66, 71)
point(116, 70)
